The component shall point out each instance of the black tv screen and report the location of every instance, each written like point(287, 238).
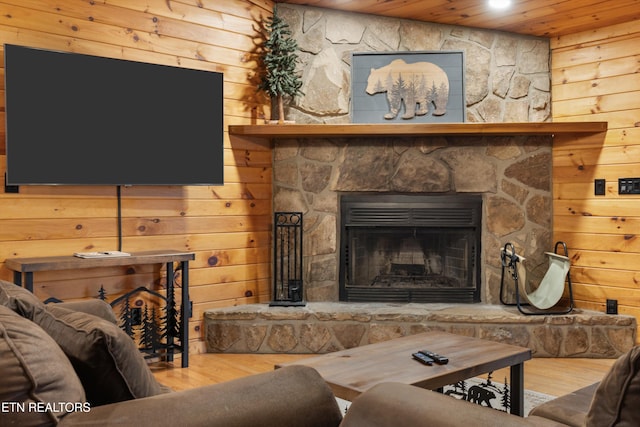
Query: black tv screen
point(86, 120)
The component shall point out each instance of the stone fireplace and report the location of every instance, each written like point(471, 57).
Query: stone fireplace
point(507, 79)
point(410, 248)
point(510, 175)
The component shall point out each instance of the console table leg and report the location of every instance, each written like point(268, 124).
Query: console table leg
point(185, 314)
point(170, 294)
point(28, 279)
point(517, 389)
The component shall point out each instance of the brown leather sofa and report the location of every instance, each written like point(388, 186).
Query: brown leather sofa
point(70, 365)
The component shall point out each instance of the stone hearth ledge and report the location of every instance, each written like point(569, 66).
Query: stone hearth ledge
point(323, 327)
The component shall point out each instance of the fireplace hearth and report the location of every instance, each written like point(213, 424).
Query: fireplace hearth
point(410, 248)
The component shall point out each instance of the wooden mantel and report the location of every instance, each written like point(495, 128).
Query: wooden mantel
point(404, 129)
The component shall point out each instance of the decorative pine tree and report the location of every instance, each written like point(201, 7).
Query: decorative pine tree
point(126, 319)
point(102, 294)
point(179, 323)
point(146, 337)
point(154, 331)
point(506, 396)
point(280, 59)
point(169, 321)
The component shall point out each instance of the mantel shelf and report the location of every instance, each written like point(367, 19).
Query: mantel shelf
point(435, 129)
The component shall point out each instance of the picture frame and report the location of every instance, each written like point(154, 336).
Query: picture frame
point(426, 87)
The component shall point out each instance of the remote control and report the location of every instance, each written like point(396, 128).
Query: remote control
point(441, 360)
point(423, 358)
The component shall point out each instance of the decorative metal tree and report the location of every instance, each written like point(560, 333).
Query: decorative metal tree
point(506, 396)
point(127, 319)
point(150, 337)
point(170, 328)
point(280, 59)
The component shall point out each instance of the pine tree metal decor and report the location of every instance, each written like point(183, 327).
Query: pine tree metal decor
point(157, 329)
point(280, 79)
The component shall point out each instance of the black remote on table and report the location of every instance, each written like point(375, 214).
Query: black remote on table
point(440, 360)
point(422, 358)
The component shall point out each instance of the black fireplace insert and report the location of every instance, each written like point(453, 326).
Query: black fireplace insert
point(410, 248)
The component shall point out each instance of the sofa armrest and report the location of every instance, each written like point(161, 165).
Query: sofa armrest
point(570, 409)
point(401, 405)
point(294, 396)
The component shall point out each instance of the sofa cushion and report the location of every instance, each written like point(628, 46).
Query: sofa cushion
point(106, 359)
point(19, 299)
point(97, 307)
point(39, 384)
point(617, 399)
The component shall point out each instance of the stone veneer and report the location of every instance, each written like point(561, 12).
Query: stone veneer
point(328, 327)
point(506, 80)
point(507, 76)
point(512, 173)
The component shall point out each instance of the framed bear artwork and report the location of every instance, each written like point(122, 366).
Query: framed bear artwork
point(407, 87)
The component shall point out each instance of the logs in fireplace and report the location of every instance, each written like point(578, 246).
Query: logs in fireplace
point(410, 248)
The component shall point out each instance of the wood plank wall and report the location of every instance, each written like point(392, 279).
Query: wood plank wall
point(596, 76)
point(227, 227)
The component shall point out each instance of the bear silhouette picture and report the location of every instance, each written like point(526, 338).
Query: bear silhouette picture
point(417, 86)
point(480, 395)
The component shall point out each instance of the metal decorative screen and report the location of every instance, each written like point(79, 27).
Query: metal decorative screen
point(287, 260)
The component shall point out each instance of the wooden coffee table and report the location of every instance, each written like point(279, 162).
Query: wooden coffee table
point(351, 372)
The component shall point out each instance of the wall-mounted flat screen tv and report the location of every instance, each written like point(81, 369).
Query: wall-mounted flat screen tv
point(74, 119)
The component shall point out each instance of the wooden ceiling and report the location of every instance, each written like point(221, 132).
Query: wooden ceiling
point(544, 18)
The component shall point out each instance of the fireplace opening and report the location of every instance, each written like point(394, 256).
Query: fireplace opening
point(410, 248)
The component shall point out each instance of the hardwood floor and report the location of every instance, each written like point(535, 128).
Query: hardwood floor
point(545, 375)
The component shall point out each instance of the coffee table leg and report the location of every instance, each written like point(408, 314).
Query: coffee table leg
point(517, 389)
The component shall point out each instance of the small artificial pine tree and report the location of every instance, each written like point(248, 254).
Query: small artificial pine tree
point(280, 59)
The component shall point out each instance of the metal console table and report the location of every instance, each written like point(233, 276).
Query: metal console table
point(23, 269)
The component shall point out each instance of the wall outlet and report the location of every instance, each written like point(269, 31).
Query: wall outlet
point(612, 306)
point(599, 187)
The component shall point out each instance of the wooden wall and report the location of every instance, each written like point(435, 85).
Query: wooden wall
point(227, 227)
point(596, 76)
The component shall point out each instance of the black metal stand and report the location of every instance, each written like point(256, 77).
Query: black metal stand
point(510, 261)
point(288, 288)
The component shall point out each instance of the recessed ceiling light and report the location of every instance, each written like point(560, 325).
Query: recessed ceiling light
point(499, 4)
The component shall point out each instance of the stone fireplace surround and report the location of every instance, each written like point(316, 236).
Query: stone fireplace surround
point(507, 80)
point(511, 173)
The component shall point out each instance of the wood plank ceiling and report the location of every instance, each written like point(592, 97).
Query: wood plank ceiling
point(543, 18)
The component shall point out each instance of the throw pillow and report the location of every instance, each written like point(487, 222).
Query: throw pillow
point(39, 385)
point(19, 299)
point(106, 359)
point(617, 398)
